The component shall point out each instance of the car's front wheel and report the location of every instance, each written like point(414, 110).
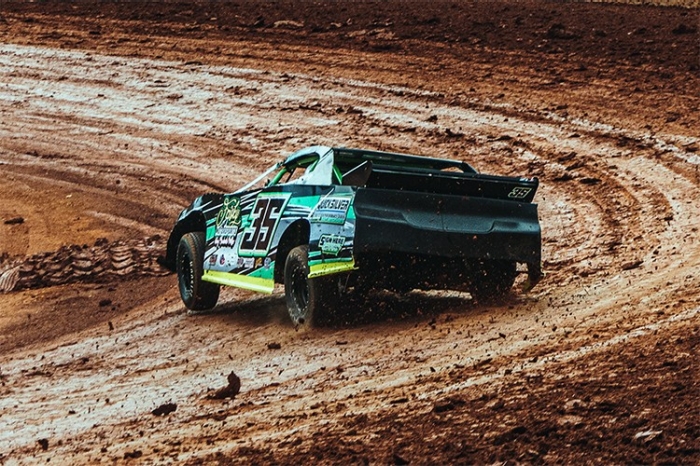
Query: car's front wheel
point(197, 294)
point(308, 299)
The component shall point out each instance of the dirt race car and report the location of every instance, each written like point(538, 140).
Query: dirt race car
point(328, 220)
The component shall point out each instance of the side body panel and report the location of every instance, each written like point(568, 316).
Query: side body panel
point(244, 233)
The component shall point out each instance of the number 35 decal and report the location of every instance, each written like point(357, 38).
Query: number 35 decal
point(519, 192)
point(263, 222)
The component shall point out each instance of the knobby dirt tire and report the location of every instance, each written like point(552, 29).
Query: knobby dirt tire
point(309, 300)
point(197, 294)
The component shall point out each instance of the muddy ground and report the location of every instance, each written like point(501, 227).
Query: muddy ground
point(114, 116)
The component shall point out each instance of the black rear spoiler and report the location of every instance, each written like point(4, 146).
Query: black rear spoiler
point(453, 183)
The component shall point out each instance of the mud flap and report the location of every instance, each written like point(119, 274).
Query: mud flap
point(534, 275)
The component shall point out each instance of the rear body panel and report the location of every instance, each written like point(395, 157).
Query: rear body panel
point(446, 226)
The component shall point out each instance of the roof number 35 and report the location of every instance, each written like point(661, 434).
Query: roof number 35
point(519, 192)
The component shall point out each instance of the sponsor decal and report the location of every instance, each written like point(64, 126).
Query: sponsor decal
point(331, 244)
point(222, 260)
point(212, 259)
point(519, 192)
point(331, 209)
point(245, 262)
point(258, 262)
point(228, 222)
point(267, 263)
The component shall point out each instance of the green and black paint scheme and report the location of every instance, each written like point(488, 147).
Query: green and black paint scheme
point(360, 219)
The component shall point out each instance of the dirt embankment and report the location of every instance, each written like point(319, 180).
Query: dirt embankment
point(113, 116)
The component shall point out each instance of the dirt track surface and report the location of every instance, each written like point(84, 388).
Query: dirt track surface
point(113, 117)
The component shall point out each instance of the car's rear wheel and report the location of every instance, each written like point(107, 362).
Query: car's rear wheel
point(493, 280)
point(308, 299)
point(197, 294)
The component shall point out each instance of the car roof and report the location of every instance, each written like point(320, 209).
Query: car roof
point(348, 155)
point(391, 158)
point(304, 153)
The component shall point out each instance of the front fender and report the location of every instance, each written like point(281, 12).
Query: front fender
point(192, 218)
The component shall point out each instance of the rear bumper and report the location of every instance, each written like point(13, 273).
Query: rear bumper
point(448, 226)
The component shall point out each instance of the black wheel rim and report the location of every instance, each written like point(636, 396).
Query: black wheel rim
point(300, 294)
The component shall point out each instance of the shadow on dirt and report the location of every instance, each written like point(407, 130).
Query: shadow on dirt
point(353, 310)
point(379, 306)
point(254, 311)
